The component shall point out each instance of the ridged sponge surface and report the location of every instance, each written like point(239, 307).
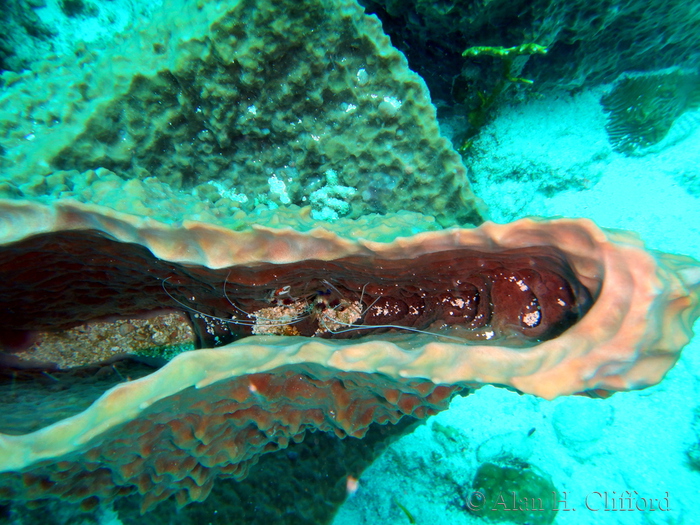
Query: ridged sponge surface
point(181, 444)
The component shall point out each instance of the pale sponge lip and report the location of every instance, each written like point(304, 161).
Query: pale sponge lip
point(645, 304)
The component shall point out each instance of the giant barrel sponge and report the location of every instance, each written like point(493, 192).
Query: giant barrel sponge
point(327, 333)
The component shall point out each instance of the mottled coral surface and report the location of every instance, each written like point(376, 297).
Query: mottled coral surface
point(229, 106)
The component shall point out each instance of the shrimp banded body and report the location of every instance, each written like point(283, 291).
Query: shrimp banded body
point(458, 294)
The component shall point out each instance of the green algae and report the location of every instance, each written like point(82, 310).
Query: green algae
point(516, 493)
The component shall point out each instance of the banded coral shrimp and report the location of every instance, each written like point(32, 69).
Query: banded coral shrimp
point(517, 300)
point(332, 318)
point(281, 315)
point(326, 312)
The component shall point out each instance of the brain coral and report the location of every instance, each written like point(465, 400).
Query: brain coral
point(244, 103)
